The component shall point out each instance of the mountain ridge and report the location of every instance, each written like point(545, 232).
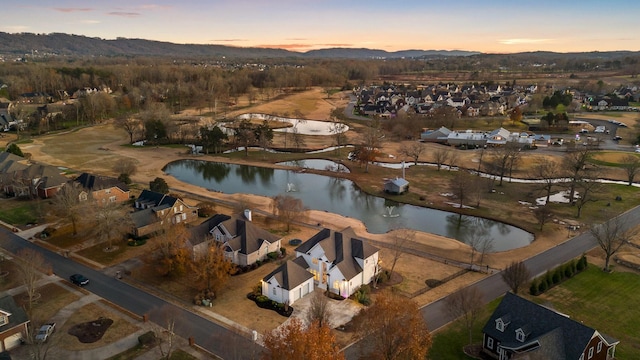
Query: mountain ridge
point(19, 44)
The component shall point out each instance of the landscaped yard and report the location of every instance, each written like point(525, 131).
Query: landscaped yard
point(604, 301)
point(21, 212)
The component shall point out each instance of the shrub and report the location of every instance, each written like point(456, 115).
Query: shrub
point(582, 263)
point(147, 339)
point(557, 276)
point(568, 271)
point(283, 251)
point(273, 255)
point(362, 295)
point(542, 287)
point(533, 288)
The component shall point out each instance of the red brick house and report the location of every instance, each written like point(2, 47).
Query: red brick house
point(521, 329)
point(102, 189)
point(155, 210)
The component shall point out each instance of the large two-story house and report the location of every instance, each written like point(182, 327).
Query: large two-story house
point(521, 329)
point(337, 261)
point(155, 210)
point(243, 242)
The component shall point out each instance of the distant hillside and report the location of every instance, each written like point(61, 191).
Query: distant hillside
point(66, 44)
point(78, 45)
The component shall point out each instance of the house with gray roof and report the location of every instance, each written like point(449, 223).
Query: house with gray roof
point(338, 261)
point(20, 179)
point(521, 329)
point(243, 242)
point(288, 283)
point(102, 189)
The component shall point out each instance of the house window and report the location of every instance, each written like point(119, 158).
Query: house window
point(490, 343)
point(112, 199)
point(107, 191)
point(314, 261)
point(499, 325)
point(600, 346)
point(520, 335)
point(184, 216)
point(175, 210)
point(581, 357)
point(181, 207)
point(590, 352)
point(274, 291)
point(83, 197)
point(316, 274)
point(3, 319)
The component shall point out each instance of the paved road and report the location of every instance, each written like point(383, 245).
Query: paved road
point(492, 287)
point(207, 334)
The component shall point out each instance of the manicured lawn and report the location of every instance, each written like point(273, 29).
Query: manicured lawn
point(448, 342)
point(605, 302)
point(20, 212)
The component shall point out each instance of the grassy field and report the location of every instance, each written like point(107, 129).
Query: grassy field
point(605, 302)
point(20, 212)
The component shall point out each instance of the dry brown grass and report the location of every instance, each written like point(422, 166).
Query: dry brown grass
point(53, 297)
point(119, 329)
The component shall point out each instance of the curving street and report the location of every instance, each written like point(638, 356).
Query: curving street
point(215, 338)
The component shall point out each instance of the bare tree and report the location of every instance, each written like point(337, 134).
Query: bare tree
point(502, 158)
point(319, 312)
point(112, 222)
point(31, 264)
point(400, 238)
point(542, 214)
point(371, 141)
point(125, 168)
point(466, 304)
point(337, 129)
point(460, 185)
point(574, 164)
point(440, 156)
point(453, 159)
point(547, 171)
point(167, 340)
point(587, 188)
point(611, 237)
point(631, 165)
point(68, 204)
point(413, 150)
point(516, 275)
point(130, 125)
point(287, 209)
point(480, 242)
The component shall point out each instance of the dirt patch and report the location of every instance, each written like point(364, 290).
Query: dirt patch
point(90, 331)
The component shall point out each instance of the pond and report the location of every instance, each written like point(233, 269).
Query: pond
point(342, 196)
point(317, 164)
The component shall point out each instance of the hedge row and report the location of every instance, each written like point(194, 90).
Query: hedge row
point(554, 277)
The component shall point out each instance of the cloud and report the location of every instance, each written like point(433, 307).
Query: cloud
point(228, 40)
point(124, 13)
point(90, 21)
point(336, 45)
point(284, 46)
point(523, 41)
point(153, 7)
point(16, 28)
point(70, 10)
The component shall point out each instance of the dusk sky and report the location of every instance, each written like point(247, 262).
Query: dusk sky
point(302, 25)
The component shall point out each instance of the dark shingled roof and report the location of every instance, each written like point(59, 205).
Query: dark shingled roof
point(289, 275)
point(151, 199)
point(246, 237)
point(18, 315)
point(341, 248)
point(559, 336)
point(98, 182)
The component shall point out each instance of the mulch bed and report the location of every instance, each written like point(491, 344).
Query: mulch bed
point(91, 331)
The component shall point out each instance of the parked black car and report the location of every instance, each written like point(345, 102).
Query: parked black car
point(79, 279)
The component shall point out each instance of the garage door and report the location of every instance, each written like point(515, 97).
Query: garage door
point(12, 341)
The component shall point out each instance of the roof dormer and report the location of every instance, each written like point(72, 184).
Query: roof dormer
point(522, 333)
point(502, 322)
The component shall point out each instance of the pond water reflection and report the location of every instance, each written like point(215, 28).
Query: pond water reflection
point(343, 197)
